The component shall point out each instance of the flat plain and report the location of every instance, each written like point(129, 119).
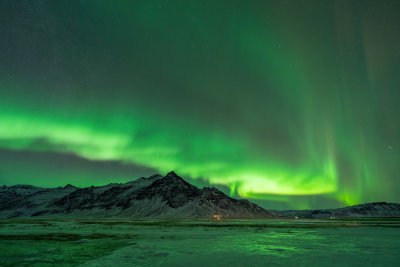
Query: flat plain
point(124, 242)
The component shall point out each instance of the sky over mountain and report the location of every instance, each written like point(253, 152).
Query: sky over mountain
point(291, 103)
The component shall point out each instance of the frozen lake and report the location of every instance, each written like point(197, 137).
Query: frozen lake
point(366, 242)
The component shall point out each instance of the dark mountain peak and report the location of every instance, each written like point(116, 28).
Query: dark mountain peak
point(70, 186)
point(172, 189)
point(172, 174)
point(173, 179)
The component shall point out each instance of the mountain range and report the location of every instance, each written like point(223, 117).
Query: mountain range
point(153, 197)
point(375, 209)
point(157, 196)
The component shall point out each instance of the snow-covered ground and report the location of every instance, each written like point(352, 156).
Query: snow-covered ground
point(368, 242)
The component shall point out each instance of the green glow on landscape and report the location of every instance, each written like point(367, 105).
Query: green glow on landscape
point(272, 100)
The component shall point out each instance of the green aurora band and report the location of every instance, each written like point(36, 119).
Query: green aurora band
point(281, 101)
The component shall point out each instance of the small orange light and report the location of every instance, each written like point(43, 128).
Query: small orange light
point(217, 216)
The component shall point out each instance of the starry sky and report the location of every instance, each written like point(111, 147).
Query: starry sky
point(292, 104)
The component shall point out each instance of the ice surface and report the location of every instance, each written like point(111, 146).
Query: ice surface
point(200, 243)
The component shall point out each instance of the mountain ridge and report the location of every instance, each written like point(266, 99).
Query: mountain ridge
point(153, 197)
point(157, 196)
point(364, 210)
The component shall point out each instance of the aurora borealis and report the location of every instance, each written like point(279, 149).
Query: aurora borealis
point(292, 103)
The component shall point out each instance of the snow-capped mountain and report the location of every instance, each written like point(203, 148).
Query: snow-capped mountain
point(376, 209)
point(154, 197)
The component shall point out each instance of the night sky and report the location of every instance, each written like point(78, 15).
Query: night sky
point(292, 104)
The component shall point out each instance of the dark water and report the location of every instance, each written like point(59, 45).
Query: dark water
point(372, 242)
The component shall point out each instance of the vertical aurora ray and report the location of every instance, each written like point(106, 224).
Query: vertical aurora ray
point(288, 102)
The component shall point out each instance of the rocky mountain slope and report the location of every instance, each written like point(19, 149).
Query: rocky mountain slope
point(153, 197)
point(376, 209)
